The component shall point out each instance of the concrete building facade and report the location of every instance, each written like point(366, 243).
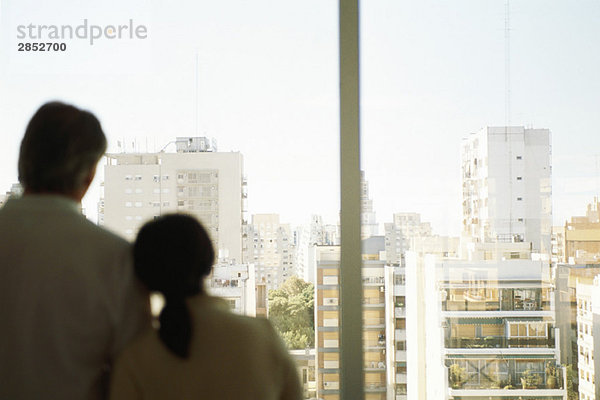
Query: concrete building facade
point(581, 237)
point(271, 247)
point(493, 327)
point(588, 339)
point(327, 316)
point(507, 189)
point(196, 180)
point(236, 284)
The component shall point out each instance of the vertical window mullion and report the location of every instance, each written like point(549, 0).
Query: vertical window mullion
point(351, 346)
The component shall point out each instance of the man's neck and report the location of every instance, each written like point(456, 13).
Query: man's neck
point(71, 196)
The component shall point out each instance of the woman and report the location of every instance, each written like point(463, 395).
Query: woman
point(201, 350)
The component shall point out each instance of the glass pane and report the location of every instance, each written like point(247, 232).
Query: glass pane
point(477, 125)
point(228, 111)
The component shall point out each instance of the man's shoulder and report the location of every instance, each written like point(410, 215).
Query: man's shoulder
point(102, 234)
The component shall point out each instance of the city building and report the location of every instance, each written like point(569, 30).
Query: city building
point(196, 179)
point(581, 237)
point(309, 236)
point(395, 330)
point(398, 234)
point(16, 190)
point(558, 244)
point(507, 189)
point(375, 343)
point(409, 233)
point(305, 363)
point(236, 284)
point(369, 226)
point(491, 330)
point(271, 248)
point(568, 278)
point(327, 317)
point(588, 338)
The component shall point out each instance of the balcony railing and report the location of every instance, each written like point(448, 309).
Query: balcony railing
point(373, 322)
point(498, 342)
point(375, 387)
point(373, 301)
point(460, 380)
point(373, 280)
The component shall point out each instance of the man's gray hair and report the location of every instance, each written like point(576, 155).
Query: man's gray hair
point(61, 146)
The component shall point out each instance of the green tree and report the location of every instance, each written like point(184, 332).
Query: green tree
point(291, 311)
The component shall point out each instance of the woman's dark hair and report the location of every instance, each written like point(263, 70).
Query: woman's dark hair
point(60, 147)
point(171, 255)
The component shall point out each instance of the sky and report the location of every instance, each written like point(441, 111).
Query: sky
point(262, 78)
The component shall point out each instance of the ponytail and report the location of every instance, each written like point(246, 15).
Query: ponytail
point(175, 326)
point(172, 255)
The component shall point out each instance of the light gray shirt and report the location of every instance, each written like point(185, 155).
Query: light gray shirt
point(232, 357)
point(69, 302)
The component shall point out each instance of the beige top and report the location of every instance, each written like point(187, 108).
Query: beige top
point(69, 301)
point(232, 357)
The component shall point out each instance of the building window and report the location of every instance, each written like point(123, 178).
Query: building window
point(128, 204)
point(519, 157)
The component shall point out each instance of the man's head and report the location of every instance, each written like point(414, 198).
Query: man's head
point(60, 150)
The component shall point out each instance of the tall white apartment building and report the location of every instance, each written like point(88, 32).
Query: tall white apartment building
point(507, 189)
point(270, 247)
point(588, 339)
point(196, 179)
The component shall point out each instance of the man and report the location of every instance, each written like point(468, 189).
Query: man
point(69, 302)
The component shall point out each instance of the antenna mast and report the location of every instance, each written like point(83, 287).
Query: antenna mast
point(196, 70)
point(507, 140)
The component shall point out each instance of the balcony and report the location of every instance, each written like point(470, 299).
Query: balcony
point(400, 355)
point(400, 334)
point(489, 342)
point(370, 302)
point(375, 366)
point(373, 281)
point(550, 379)
point(401, 378)
point(400, 312)
point(370, 323)
point(399, 290)
point(375, 387)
